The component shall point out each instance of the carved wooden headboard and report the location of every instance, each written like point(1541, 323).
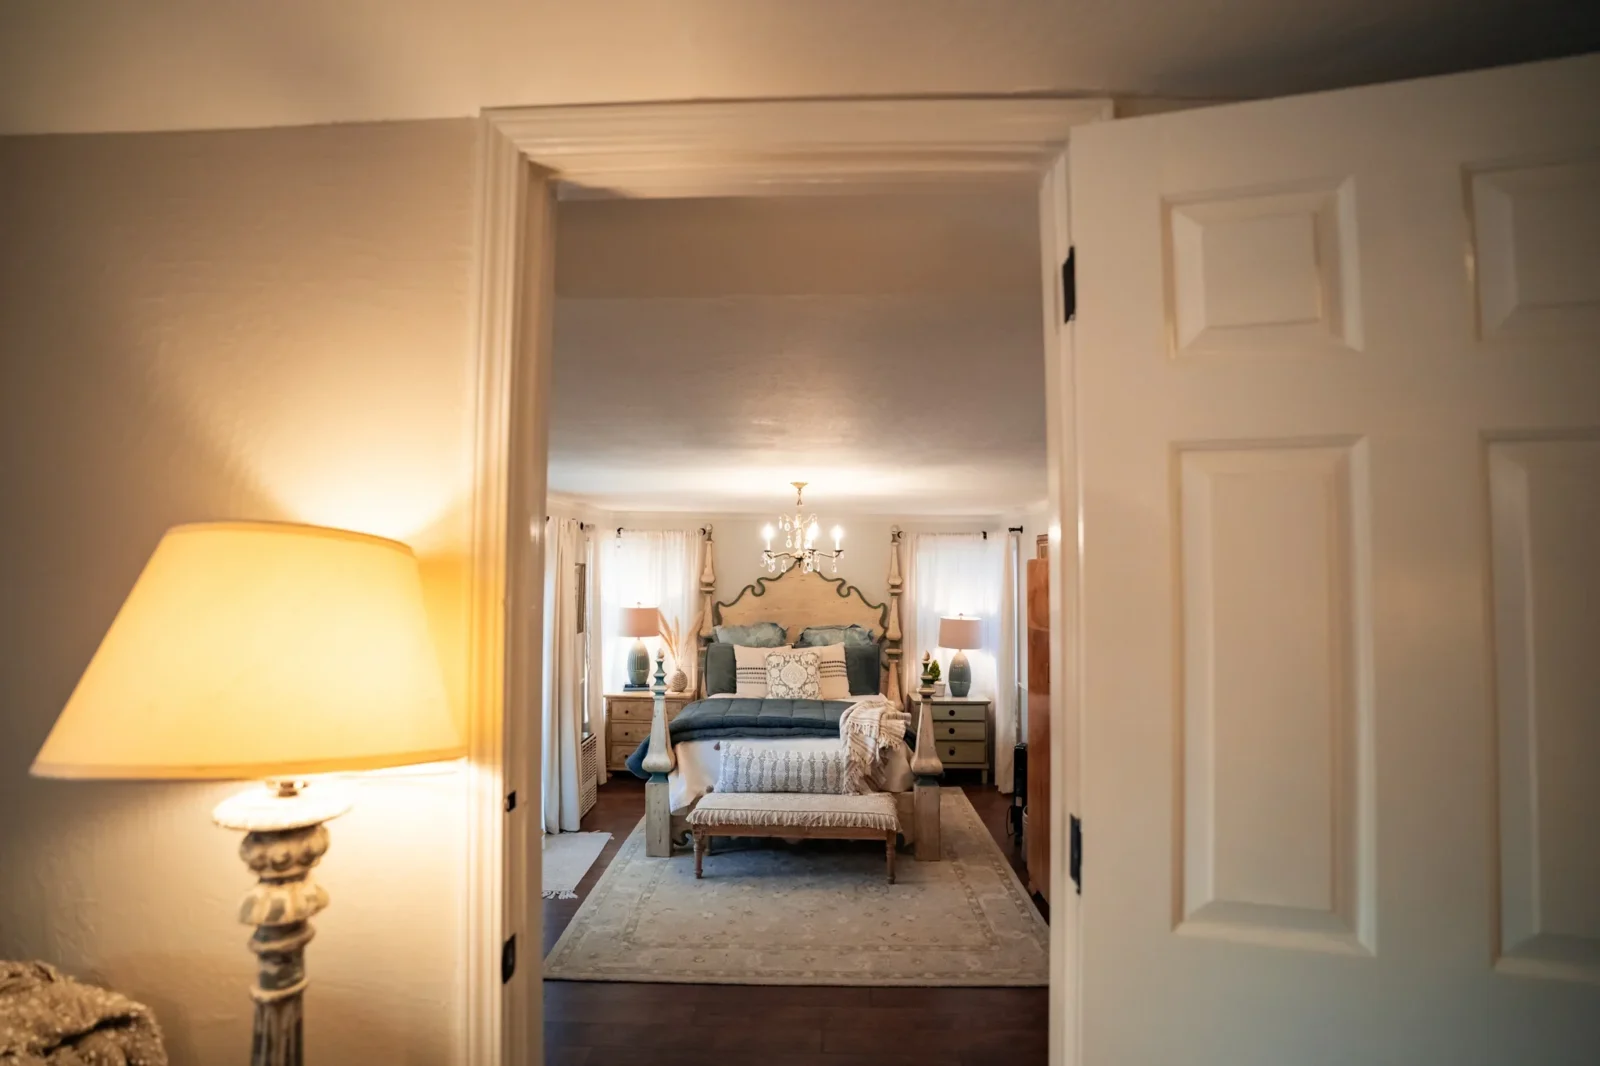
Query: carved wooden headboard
point(798, 599)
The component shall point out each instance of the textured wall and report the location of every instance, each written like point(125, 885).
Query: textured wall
point(268, 324)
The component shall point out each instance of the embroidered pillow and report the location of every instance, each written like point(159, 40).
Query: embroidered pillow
point(794, 675)
point(758, 635)
point(750, 672)
point(818, 767)
point(832, 670)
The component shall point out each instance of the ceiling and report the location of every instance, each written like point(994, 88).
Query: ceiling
point(885, 349)
point(100, 65)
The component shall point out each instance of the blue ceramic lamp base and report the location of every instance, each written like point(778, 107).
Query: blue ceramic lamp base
point(638, 667)
point(960, 676)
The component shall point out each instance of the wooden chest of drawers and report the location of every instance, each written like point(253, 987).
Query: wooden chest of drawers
point(962, 732)
point(628, 722)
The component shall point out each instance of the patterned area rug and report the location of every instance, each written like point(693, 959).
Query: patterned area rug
point(817, 912)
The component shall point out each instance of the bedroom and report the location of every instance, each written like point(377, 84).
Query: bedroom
point(865, 318)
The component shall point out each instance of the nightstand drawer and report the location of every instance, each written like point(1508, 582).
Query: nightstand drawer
point(943, 731)
point(620, 753)
point(629, 733)
point(959, 712)
point(963, 752)
point(634, 710)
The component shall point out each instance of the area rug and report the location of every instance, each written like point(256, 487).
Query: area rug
point(567, 857)
point(816, 912)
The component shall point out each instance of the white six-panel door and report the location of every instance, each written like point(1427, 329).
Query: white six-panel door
point(1338, 390)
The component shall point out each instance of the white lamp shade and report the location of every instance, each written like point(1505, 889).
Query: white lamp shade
point(641, 622)
point(260, 649)
point(959, 633)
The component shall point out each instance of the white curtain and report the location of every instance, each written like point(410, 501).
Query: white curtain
point(647, 568)
point(563, 676)
point(967, 574)
point(595, 542)
point(1008, 698)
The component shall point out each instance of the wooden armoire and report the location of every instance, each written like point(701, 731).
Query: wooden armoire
point(1038, 824)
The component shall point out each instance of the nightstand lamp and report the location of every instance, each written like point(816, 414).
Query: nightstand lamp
point(639, 622)
point(960, 634)
point(274, 651)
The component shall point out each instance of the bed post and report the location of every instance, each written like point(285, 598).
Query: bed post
point(927, 769)
point(925, 764)
point(708, 592)
point(891, 633)
point(658, 763)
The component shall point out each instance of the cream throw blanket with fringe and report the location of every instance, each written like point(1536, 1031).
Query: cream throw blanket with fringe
point(869, 727)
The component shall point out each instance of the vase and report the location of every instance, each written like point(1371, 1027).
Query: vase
point(679, 681)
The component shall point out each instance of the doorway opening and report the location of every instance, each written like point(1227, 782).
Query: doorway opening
point(892, 149)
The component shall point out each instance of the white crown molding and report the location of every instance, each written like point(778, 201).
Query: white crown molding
point(789, 147)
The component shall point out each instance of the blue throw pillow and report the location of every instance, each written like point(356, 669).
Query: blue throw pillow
point(759, 635)
point(864, 667)
point(821, 636)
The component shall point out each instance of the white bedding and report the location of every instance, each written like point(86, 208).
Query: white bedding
point(699, 762)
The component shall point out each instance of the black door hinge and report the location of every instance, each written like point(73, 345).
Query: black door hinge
point(508, 959)
point(1069, 287)
point(511, 801)
point(1075, 852)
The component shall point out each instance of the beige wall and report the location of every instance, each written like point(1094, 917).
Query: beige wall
point(266, 324)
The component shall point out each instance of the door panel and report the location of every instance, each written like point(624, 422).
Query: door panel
point(1338, 401)
point(1545, 506)
point(1273, 565)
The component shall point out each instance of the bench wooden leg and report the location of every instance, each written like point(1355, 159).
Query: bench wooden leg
point(701, 842)
point(888, 847)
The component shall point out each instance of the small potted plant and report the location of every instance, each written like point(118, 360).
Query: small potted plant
point(930, 674)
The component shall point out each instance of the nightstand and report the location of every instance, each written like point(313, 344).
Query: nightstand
point(628, 722)
point(963, 730)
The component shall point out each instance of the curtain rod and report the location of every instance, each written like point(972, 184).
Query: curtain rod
point(1013, 529)
point(622, 529)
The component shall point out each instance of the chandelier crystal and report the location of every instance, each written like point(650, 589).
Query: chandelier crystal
point(800, 532)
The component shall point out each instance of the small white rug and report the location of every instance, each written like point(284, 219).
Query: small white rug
point(567, 857)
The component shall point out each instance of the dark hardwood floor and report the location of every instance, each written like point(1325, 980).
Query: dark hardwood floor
point(594, 1023)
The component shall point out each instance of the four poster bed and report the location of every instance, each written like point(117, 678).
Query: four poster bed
point(681, 759)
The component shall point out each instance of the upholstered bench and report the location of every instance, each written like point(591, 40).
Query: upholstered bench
point(794, 815)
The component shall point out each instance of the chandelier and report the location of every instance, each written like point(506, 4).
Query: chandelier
point(800, 534)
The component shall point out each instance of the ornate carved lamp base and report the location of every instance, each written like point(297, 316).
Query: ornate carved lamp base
point(284, 839)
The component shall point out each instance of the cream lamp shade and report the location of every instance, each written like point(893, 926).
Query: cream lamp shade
point(641, 622)
point(260, 649)
point(959, 633)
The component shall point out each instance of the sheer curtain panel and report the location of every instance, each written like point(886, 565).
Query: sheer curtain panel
point(563, 677)
point(953, 574)
point(647, 568)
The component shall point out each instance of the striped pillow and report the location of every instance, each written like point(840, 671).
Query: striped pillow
point(750, 671)
point(831, 665)
point(757, 767)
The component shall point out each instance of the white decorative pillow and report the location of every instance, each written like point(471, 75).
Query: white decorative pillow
point(759, 767)
point(830, 663)
point(794, 675)
point(750, 671)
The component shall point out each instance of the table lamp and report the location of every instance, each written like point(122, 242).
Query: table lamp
point(264, 650)
point(639, 622)
point(960, 634)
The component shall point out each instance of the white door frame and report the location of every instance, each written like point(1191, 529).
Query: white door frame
point(700, 149)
